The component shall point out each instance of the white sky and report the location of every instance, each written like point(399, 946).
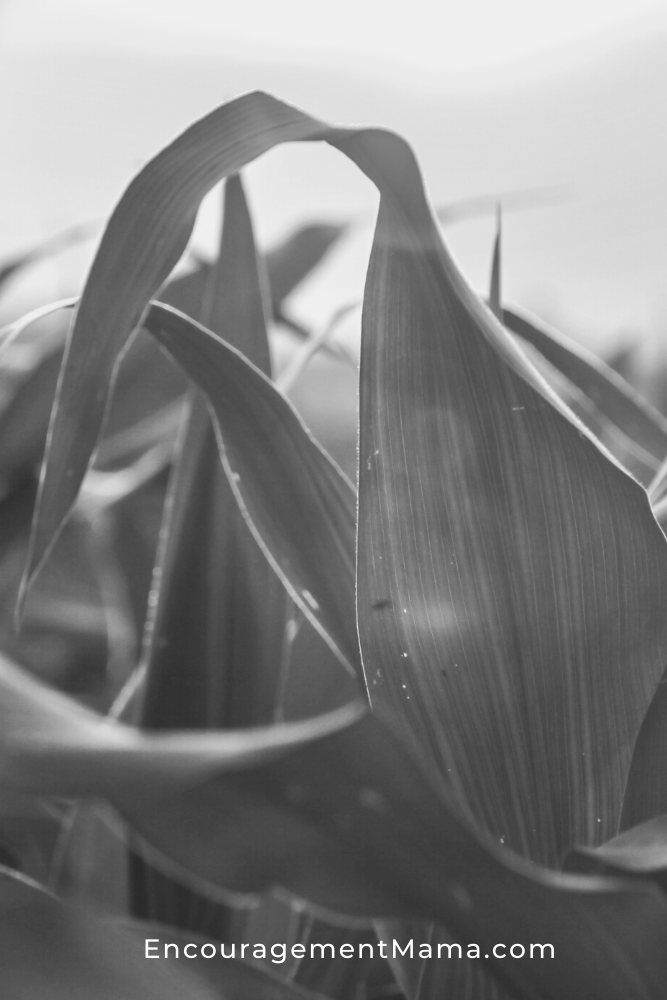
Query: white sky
point(429, 36)
point(84, 108)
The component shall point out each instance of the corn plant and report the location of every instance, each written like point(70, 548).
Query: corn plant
point(427, 709)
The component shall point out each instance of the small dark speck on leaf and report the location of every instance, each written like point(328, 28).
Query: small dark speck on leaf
point(381, 604)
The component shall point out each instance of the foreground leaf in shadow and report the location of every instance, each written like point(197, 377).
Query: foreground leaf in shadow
point(348, 821)
point(352, 824)
point(48, 949)
point(52, 746)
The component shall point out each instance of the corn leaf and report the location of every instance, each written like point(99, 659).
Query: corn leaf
point(220, 607)
point(299, 506)
point(633, 430)
point(287, 265)
point(48, 949)
point(508, 571)
point(495, 293)
point(50, 745)
point(351, 823)
point(348, 821)
point(144, 239)
point(640, 851)
point(646, 789)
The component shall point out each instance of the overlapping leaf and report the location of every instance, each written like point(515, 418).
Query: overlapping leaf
point(51, 950)
point(349, 822)
point(633, 430)
point(522, 571)
point(511, 578)
point(219, 651)
point(300, 507)
point(640, 850)
point(287, 264)
point(232, 978)
point(646, 789)
point(49, 745)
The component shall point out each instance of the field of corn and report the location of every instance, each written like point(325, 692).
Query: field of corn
point(384, 708)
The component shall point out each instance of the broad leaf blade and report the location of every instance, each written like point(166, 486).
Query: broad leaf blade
point(509, 589)
point(508, 570)
point(640, 850)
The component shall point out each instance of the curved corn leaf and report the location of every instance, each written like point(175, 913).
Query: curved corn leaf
point(522, 571)
point(220, 607)
point(300, 507)
point(48, 949)
point(351, 823)
point(213, 612)
point(640, 851)
point(633, 430)
point(50, 745)
point(508, 571)
point(145, 237)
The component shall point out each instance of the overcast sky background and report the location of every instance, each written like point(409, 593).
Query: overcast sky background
point(564, 100)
